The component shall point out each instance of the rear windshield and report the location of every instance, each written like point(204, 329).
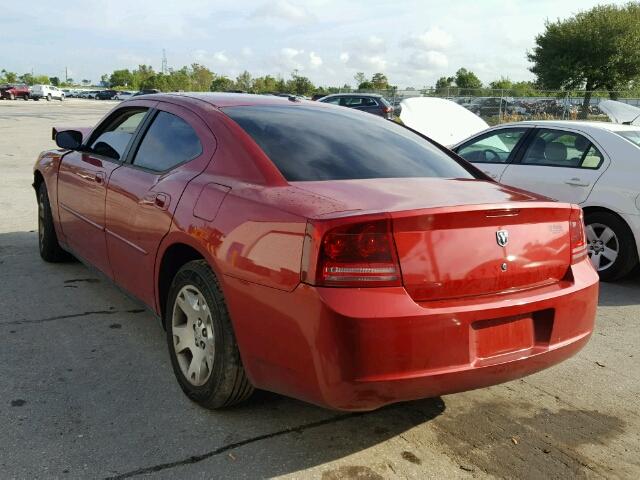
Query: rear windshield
point(309, 143)
point(631, 135)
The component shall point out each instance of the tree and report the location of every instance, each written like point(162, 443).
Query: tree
point(201, 78)
point(121, 78)
point(444, 82)
point(503, 84)
point(55, 81)
point(8, 77)
point(595, 49)
point(244, 82)
point(221, 84)
point(366, 85)
point(266, 84)
point(467, 79)
point(359, 78)
point(86, 81)
point(379, 81)
point(300, 85)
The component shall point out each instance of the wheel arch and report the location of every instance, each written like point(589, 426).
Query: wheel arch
point(173, 254)
point(595, 208)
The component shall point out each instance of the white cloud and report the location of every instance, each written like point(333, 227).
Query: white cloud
point(314, 60)
point(344, 57)
point(429, 60)
point(221, 57)
point(433, 39)
point(283, 10)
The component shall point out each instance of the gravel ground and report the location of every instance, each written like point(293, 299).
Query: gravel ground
point(88, 391)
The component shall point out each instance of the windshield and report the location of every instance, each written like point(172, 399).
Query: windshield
point(632, 135)
point(308, 143)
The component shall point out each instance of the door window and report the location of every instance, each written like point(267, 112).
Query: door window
point(113, 139)
point(169, 142)
point(334, 100)
point(559, 148)
point(493, 147)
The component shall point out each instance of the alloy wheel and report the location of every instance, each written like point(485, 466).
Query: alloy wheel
point(603, 246)
point(193, 337)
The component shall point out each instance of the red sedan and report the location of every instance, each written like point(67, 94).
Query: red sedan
point(316, 251)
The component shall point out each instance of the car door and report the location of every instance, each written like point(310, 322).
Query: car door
point(173, 147)
point(82, 184)
point(492, 151)
point(563, 164)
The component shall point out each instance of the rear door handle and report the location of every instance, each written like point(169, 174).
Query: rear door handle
point(159, 200)
point(576, 182)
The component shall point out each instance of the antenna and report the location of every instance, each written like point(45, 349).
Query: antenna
point(164, 62)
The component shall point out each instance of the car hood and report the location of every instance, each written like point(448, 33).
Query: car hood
point(442, 120)
point(620, 112)
point(400, 194)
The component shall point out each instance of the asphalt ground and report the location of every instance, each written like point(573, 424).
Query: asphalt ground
point(87, 390)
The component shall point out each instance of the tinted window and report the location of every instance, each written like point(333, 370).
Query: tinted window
point(169, 141)
point(332, 100)
point(310, 143)
point(113, 139)
point(492, 148)
point(559, 148)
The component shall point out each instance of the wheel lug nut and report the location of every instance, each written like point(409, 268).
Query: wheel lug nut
point(204, 332)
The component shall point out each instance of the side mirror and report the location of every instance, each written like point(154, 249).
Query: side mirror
point(69, 139)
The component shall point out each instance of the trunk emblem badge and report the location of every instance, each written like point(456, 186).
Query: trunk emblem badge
point(502, 237)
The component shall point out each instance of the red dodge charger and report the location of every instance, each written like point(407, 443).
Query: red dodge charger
point(316, 251)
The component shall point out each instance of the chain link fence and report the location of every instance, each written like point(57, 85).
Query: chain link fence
point(505, 105)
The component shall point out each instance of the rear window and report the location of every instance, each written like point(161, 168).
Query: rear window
point(309, 143)
point(632, 135)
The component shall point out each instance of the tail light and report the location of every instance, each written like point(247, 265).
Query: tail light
point(387, 109)
point(355, 255)
point(577, 234)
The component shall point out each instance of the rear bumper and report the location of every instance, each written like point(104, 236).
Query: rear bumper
point(359, 349)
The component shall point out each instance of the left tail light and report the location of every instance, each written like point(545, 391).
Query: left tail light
point(360, 254)
point(577, 234)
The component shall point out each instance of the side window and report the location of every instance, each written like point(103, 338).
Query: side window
point(113, 139)
point(169, 142)
point(369, 102)
point(492, 148)
point(333, 101)
point(559, 148)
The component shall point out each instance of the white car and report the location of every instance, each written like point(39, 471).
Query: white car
point(593, 164)
point(48, 92)
point(123, 96)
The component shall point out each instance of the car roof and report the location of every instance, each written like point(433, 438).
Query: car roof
point(584, 125)
point(376, 95)
point(221, 100)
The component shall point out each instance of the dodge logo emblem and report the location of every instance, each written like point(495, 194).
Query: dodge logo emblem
point(502, 237)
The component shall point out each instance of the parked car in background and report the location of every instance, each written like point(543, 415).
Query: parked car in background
point(593, 164)
point(48, 92)
point(318, 96)
point(494, 106)
point(12, 91)
point(106, 95)
point(123, 96)
point(365, 102)
point(146, 91)
point(316, 252)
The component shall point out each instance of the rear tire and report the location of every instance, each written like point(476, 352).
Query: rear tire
point(12, 96)
point(202, 345)
point(50, 249)
point(611, 245)
point(48, 97)
point(62, 98)
point(25, 97)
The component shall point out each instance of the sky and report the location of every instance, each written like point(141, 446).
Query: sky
point(412, 42)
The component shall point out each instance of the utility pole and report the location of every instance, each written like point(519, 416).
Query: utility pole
point(66, 77)
point(164, 62)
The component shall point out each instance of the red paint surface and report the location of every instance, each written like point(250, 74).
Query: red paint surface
point(456, 322)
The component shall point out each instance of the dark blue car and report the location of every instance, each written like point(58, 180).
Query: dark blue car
point(367, 102)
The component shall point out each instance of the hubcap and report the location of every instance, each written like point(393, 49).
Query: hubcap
point(193, 340)
point(602, 245)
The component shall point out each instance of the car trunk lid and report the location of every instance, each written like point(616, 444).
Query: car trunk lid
point(481, 250)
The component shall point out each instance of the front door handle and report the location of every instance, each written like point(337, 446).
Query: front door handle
point(99, 178)
point(576, 182)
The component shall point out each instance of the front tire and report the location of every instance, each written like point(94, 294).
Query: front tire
point(49, 98)
point(50, 249)
point(202, 345)
point(610, 245)
point(12, 96)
